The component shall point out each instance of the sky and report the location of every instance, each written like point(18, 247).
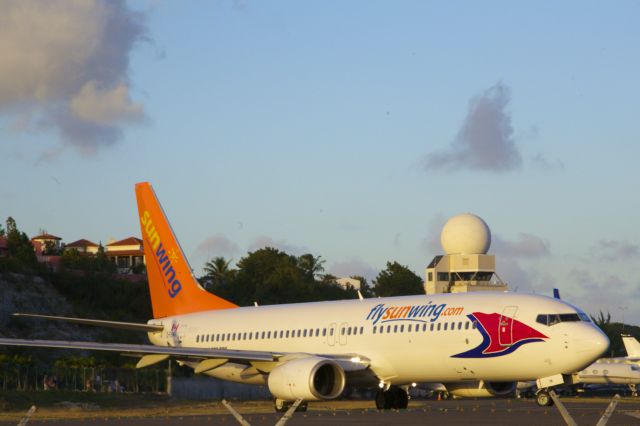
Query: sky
point(350, 130)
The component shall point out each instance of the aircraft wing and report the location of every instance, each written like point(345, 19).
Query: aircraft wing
point(130, 349)
point(151, 354)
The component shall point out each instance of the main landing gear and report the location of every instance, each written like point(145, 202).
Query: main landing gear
point(395, 397)
point(281, 406)
point(543, 398)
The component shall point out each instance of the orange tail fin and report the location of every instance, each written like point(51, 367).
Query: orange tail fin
point(173, 288)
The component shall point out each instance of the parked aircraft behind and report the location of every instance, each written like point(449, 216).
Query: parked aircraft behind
point(632, 346)
point(309, 351)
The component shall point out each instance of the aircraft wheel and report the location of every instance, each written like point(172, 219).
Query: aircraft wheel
point(280, 405)
point(401, 399)
point(543, 399)
point(383, 400)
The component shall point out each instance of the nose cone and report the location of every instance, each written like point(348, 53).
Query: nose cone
point(590, 344)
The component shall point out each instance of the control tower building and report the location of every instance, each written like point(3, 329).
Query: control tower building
point(465, 266)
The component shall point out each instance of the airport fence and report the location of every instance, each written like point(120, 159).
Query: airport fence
point(208, 388)
point(22, 377)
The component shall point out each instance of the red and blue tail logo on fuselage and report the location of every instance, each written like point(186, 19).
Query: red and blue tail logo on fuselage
point(501, 335)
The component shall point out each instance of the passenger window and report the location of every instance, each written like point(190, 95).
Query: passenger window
point(388, 329)
point(361, 330)
point(431, 328)
point(475, 325)
point(331, 332)
point(287, 334)
point(349, 331)
point(317, 332)
point(324, 332)
point(460, 326)
point(395, 328)
point(269, 335)
point(374, 329)
point(438, 326)
point(342, 331)
point(222, 337)
point(244, 336)
point(466, 325)
point(305, 333)
point(402, 328)
point(262, 335)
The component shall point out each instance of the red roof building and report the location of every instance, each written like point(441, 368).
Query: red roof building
point(126, 254)
point(46, 244)
point(83, 246)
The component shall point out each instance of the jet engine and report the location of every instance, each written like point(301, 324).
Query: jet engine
point(311, 379)
point(481, 389)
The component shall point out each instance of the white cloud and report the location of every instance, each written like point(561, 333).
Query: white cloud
point(615, 250)
point(105, 106)
point(353, 267)
point(64, 64)
point(485, 140)
point(216, 245)
point(525, 246)
point(265, 241)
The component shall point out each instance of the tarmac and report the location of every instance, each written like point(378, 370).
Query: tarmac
point(585, 411)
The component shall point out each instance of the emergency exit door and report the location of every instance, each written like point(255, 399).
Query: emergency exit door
point(505, 326)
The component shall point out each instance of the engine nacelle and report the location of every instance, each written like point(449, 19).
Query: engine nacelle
point(481, 389)
point(310, 379)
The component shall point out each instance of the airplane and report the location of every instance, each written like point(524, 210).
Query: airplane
point(309, 351)
point(632, 346)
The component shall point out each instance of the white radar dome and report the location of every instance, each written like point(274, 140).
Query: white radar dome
point(465, 234)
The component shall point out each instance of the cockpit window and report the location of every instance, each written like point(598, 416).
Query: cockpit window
point(552, 319)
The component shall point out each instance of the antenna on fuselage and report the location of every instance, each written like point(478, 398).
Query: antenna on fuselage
point(556, 293)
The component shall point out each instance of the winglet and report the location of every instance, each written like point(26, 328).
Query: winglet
point(173, 288)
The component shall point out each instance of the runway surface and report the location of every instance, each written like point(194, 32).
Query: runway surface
point(458, 412)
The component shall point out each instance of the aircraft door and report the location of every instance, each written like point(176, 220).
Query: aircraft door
point(343, 333)
point(331, 334)
point(505, 326)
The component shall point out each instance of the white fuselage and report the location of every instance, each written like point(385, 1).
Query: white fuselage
point(405, 339)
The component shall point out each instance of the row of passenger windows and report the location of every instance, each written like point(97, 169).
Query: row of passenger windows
point(400, 328)
point(348, 331)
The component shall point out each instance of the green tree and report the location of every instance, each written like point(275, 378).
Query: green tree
point(1, 231)
point(20, 247)
point(397, 280)
point(218, 271)
point(311, 265)
point(612, 330)
point(365, 288)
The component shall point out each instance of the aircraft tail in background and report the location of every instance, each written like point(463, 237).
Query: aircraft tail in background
point(173, 288)
point(632, 346)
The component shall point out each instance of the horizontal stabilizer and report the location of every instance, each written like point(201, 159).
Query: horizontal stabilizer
point(99, 323)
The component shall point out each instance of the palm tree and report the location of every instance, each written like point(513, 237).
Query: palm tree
point(218, 271)
point(311, 265)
